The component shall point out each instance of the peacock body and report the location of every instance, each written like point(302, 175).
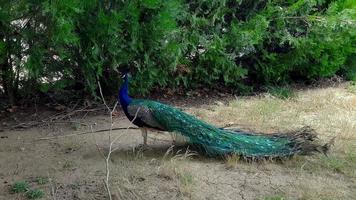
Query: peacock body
point(214, 140)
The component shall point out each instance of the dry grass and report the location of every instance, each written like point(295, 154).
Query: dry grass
point(231, 161)
point(174, 167)
point(330, 111)
point(315, 189)
point(351, 87)
point(76, 168)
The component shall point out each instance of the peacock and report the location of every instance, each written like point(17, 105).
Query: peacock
point(148, 114)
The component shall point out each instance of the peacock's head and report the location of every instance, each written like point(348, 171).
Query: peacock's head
point(123, 92)
point(125, 74)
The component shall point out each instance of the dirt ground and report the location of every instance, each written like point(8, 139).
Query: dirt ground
point(74, 168)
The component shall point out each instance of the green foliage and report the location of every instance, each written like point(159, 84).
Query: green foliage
point(55, 46)
point(350, 68)
point(2, 50)
point(333, 163)
point(336, 163)
point(281, 92)
point(19, 187)
point(310, 45)
point(274, 198)
point(24, 187)
point(34, 194)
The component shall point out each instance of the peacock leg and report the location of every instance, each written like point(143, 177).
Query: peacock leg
point(144, 135)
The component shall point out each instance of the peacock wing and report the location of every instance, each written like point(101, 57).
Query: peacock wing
point(144, 114)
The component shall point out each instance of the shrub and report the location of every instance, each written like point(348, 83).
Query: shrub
point(57, 46)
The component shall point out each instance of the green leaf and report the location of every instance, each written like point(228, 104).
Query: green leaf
point(2, 50)
point(44, 87)
point(152, 4)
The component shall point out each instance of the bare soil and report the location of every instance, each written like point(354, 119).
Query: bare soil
point(75, 168)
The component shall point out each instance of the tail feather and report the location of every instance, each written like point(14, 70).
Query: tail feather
point(217, 141)
point(303, 141)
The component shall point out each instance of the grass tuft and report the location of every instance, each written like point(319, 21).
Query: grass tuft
point(68, 165)
point(281, 92)
point(185, 183)
point(41, 180)
point(231, 161)
point(19, 187)
point(34, 194)
point(351, 87)
point(172, 168)
point(333, 163)
point(186, 178)
point(274, 198)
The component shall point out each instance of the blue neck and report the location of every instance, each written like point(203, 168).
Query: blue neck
point(124, 97)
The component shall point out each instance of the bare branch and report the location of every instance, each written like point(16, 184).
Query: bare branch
point(111, 142)
point(107, 157)
point(102, 96)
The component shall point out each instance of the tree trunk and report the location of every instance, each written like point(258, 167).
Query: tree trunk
point(7, 80)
